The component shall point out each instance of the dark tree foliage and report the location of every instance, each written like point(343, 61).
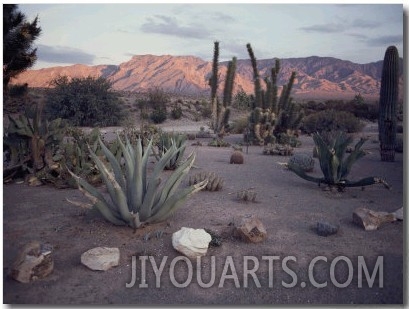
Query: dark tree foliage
point(18, 38)
point(84, 102)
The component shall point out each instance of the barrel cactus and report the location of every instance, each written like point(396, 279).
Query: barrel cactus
point(387, 104)
point(214, 182)
point(237, 157)
point(303, 161)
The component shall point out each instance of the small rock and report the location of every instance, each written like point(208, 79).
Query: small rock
point(100, 258)
point(398, 214)
point(251, 229)
point(191, 242)
point(34, 261)
point(324, 228)
point(371, 220)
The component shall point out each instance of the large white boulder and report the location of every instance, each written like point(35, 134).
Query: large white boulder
point(191, 242)
point(100, 258)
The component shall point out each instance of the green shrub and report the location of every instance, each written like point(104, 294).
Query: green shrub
point(242, 100)
point(157, 98)
point(331, 120)
point(158, 115)
point(18, 90)
point(239, 125)
point(84, 102)
point(206, 111)
point(176, 112)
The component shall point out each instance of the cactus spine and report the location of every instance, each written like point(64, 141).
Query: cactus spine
point(221, 110)
point(387, 104)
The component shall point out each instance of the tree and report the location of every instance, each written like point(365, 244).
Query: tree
point(87, 101)
point(18, 37)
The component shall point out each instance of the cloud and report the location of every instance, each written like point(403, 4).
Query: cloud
point(385, 40)
point(170, 26)
point(63, 54)
point(324, 28)
point(360, 23)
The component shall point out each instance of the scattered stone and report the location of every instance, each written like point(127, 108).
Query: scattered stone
point(371, 220)
point(324, 228)
point(34, 261)
point(251, 229)
point(33, 181)
point(236, 157)
point(100, 258)
point(398, 214)
point(191, 242)
point(216, 239)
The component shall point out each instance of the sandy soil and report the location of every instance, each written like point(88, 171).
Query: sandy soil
point(287, 205)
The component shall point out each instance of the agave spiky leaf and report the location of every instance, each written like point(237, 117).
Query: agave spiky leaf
point(135, 199)
point(334, 168)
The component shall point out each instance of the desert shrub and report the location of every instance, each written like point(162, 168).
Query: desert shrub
point(242, 100)
point(239, 125)
point(84, 102)
point(357, 106)
point(331, 120)
point(206, 111)
point(18, 90)
point(157, 98)
point(158, 115)
point(176, 112)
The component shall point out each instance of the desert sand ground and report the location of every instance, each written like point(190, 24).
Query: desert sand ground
point(287, 205)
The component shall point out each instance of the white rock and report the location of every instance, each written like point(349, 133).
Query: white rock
point(191, 242)
point(100, 258)
point(398, 214)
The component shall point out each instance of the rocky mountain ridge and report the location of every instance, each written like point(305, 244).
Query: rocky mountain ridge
point(317, 77)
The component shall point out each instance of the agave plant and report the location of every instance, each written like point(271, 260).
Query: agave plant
point(334, 166)
point(167, 141)
point(137, 198)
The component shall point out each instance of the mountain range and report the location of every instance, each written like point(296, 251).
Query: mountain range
point(317, 77)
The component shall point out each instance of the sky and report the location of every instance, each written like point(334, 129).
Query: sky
point(106, 33)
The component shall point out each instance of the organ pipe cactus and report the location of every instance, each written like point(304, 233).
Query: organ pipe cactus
point(221, 110)
point(136, 198)
point(334, 166)
point(271, 116)
point(387, 104)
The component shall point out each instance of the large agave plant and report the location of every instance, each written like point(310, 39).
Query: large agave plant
point(334, 166)
point(135, 197)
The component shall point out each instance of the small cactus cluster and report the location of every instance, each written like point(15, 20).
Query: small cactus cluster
point(247, 195)
point(304, 161)
point(214, 182)
point(277, 149)
point(236, 157)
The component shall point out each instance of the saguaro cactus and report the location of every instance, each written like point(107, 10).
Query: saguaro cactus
point(387, 104)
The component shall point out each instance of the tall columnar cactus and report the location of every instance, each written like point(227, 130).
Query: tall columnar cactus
point(271, 116)
point(221, 110)
point(387, 104)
